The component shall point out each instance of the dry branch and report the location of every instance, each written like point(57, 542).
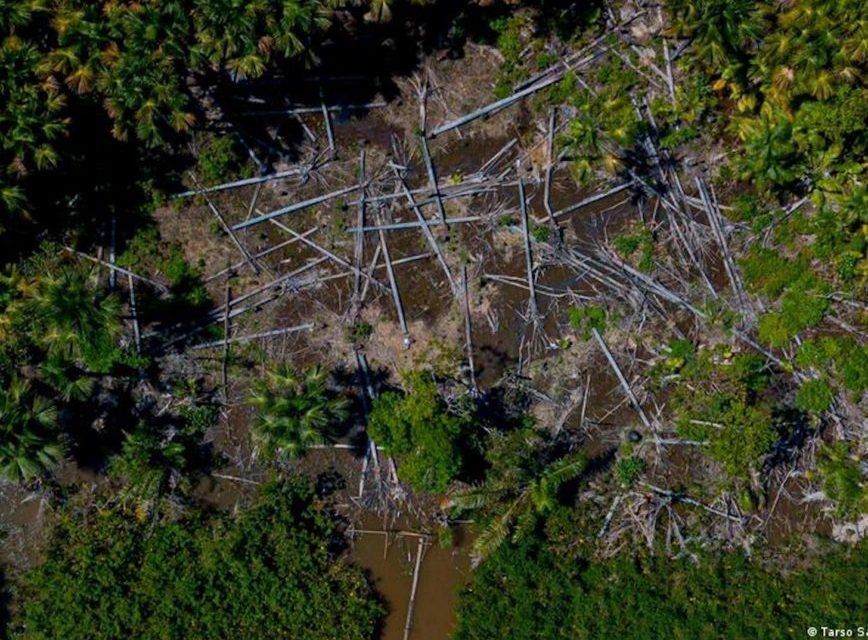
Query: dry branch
point(266, 334)
point(298, 206)
point(239, 183)
point(157, 285)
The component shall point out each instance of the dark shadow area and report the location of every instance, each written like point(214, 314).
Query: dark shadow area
point(360, 405)
point(794, 428)
point(94, 427)
point(113, 423)
point(569, 491)
point(98, 178)
point(101, 179)
point(4, 604)
point(329, 482)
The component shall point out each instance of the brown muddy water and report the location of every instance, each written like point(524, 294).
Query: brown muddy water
point(390, 560)
point(390, 566)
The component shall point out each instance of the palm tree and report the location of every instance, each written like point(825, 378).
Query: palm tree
point(771, 157)
point(28, 444)
point(515, 497)
point(150, 462)
point(723, 29)
point(295, 410)
point(67, 316)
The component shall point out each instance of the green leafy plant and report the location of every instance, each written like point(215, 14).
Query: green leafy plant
point(295, 410)
point(843, 479)
point(641, 240)
point(814, 396)
point(521, 486)
point(718, 400)
point(360, 331)
point(420, 431)
point(530, 591)
point(629, 469)
point(29, 441)
point(583, 319)
point(265, 573)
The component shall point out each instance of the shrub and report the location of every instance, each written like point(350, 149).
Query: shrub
point(360, 331)
point(742, 435)
point(583, 319)
point(417, 428)
point(814, 396)
point(629, 470)
point(843, 479)
point(527, 592)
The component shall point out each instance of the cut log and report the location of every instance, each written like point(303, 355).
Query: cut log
point(296, 207)
point(528, 256)
point(239, 183)
point(238, 244)
point(256, 336)
point(396, 294)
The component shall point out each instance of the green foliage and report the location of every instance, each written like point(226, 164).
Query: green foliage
point(746, 433)
point(803, 305)
point(843, 479)
point(31, 117)
point(583, 319)
point(198, 417)
point(681, 353)
point(149, 463)
point(792, 77)
point(522, 485)
point(814, 396)
point(360, 331)
point(540, 233)
point(526, 592)
point(639, 240)
point(29, 442)
point(159, 457)
point(219, 158)
point(846, 357)
point(60, 311)
point(420, 431)
point(58, 326)
point(719, 400)
point(605, 125)
point(629, 469)
point(768, 271)
point(295, 409)
point(511, 41)
point(267, 573)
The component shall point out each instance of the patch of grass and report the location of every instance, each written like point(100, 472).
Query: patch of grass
point(360, 331)
point(583, 319)
point(629, 470)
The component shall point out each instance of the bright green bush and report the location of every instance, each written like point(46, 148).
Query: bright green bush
point(814, 396)
point(847, 358)
point(583, 319)
point(418, 429)
point(843, 479)
point(719, 400)
point(629, 470)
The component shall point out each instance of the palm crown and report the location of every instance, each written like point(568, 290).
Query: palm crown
point(28, 444)
point(295, 410)
point(520, 487)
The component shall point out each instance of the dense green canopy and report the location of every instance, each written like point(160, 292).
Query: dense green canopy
point(267, 573)
point(526, 592)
